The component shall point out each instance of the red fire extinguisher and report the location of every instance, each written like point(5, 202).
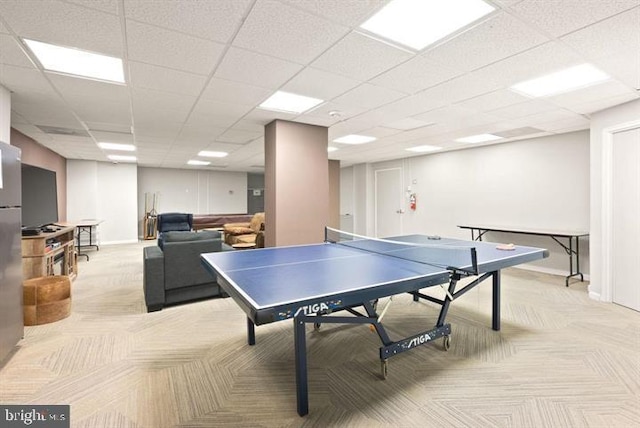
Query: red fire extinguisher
point(412, 201)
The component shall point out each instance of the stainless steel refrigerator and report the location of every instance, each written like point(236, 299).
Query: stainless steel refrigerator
point(11, 318)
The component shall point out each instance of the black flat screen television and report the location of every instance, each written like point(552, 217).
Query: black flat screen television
point(39, 196)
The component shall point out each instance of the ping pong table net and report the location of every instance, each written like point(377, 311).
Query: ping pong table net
point(456, 258)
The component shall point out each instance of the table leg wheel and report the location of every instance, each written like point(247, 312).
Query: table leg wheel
point(384, 369)
point(446, 342)
point(316, 326)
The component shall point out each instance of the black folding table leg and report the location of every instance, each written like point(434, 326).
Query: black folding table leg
point(300, 343)
point(251, 332)
point(495, 324)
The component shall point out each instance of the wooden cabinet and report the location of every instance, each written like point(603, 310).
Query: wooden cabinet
point(42, 253)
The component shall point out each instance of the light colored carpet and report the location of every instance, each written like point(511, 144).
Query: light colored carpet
point(560, 360)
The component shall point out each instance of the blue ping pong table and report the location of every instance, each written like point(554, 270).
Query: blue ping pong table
point(310, 283)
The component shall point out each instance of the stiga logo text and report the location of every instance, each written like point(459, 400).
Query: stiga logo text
point(312, 309)
point(40, 416)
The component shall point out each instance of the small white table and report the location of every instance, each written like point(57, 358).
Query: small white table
point(86, 226)
point(572, 235)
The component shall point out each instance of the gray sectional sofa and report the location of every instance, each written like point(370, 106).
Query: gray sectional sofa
point(173, 272)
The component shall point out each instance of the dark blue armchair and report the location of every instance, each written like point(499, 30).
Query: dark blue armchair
point(173, 222)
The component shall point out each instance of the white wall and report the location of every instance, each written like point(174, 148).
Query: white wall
point(599, 121)
point(105, 191)
point(536, 183)
point(193, 191)
point(117, 184)
point(5, 115)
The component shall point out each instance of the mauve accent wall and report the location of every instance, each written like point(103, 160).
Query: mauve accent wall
point(296, 183)
point(37, 155)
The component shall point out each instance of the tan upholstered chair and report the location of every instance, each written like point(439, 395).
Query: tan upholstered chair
point(245, 233)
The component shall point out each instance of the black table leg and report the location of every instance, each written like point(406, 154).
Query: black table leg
point(251, 332)
point(300, 342)
point(495, 323)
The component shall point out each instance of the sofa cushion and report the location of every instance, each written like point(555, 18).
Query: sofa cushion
point(238, 230)
point(170, 227)
point(182, 236)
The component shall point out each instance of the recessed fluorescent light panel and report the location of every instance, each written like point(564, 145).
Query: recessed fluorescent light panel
point(424, 149)
point(208, 154)
point(419, 23)
point(122, 158)
point(354, 139)
point(77, 62)
point(289, 103)
point(116, 146)
point(198, 162)
point(331, 149)
point(566, 80)
point(481, 138)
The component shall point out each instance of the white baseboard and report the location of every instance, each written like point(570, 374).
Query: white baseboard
point(595, 296)
point(128, 241)
point(550, 271)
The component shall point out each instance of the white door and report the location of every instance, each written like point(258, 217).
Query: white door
point(625, 218)
point(389, 203)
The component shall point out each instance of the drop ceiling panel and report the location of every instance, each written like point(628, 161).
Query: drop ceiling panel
point(147, 76)
point(164, 131)
point(109, 6)
point(349, 13)
point(200, 131)
point(559, 17)
point(214, 20)
point(541, 60)
point(112, 137)
point(216, 110)
point(108, 127)
point(406, 124)
point(369, 96)
point(344, 111)
point(286, 32)
point(548, 116)
point(527, 108)
point(478, 46)
point(109, 111)
point(618, 33)
point(565, 125)
point(92, 91)
point(590, 94)
point(17, 119)
point(493, 100)
point(415, 75)
point(146, 100)
point(235, 92)
point(625, 67)
point(51, 112)
point(23, 81)
point(153, 143)
point(315, 120)
point(158, 46)
point(319, 84)
point(595, 106)
point(66, 24)
point(255, 69)
point(12, 54)
point(360, 57)
point(263, 117)
point(238, 136)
